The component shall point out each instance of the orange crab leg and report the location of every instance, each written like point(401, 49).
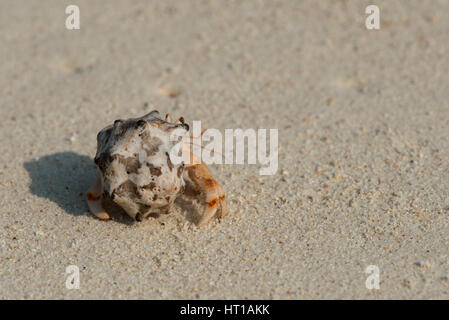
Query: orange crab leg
point(205, 183)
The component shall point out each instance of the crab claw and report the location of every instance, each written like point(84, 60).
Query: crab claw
point(94, 201)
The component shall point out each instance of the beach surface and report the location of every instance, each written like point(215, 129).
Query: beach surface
point(363, 165)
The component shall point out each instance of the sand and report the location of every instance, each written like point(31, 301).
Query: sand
point(363, 174)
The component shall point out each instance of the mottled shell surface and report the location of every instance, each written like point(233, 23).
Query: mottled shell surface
point(133, 157)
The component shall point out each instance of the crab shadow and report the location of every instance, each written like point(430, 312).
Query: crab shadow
point(65, 177)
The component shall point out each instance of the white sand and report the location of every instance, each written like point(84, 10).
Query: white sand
point(363, 122)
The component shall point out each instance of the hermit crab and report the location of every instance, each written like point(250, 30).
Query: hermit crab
point(137, 173)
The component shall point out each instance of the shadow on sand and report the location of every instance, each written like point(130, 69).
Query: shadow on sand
point(63, 178)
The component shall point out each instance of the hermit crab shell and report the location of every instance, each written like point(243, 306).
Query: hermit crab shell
point(133, 158)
